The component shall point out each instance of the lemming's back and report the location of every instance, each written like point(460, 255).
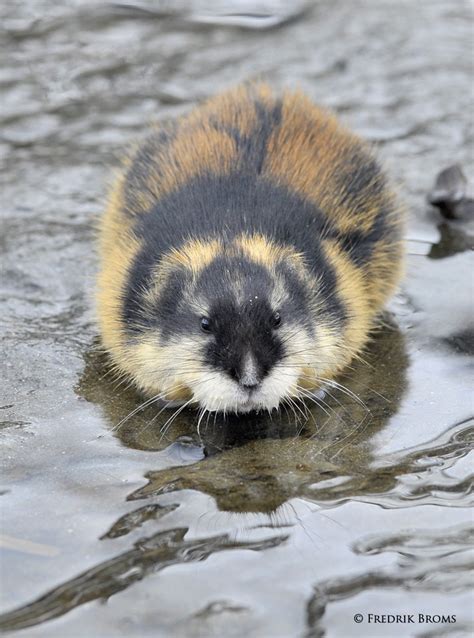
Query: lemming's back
point(252, 162)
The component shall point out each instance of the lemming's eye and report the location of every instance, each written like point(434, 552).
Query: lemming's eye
point(205, 324)
point(276, 319)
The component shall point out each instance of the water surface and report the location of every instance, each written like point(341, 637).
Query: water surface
point(253, 528)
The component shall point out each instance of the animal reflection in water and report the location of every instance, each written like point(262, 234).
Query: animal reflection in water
point(255, 464)
point(258, 461)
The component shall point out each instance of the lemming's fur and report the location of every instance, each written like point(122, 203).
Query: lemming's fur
point(246, 251)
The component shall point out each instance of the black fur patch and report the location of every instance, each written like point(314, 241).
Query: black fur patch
point(144, 162)
point(297, 307)
point(136, 317)
point(240, 330)
point(215, 284)
point(225, 207)
point(252, 148)
point(228, 205)
point(221, 275)
point(360, 179)
point(359, 246)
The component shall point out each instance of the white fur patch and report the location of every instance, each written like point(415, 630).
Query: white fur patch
point(177, 370)
point(217, 392)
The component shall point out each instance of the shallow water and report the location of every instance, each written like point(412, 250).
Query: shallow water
point(255, 528)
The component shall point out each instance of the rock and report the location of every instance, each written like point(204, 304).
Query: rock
point(449, 194)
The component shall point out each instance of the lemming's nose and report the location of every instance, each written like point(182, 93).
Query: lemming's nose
point(249, 384)
point(248, 376)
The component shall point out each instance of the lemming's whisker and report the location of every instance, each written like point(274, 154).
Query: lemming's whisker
point(297, 410)
point(216, 412)
point(139, 408)
point(318, 402)
point(169, 422)
point(201, 414)
point(339, 386)
point(285, 403)
point(207, 420)
point(356, 431)
point(305, 416)
point(351, 434)
point(165, 407)
point(291, 406)
point(315, 400)
point(346, 390)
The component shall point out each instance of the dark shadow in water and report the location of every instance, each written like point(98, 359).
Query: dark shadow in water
point(252, 464)
point(429, 561)
point(149, 555)
point(462, 342)
point(256, 463)
point(453, 239)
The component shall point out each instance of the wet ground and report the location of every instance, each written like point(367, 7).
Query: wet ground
point(257, 529)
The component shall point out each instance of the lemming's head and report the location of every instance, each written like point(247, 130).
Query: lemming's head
point(233, 328)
